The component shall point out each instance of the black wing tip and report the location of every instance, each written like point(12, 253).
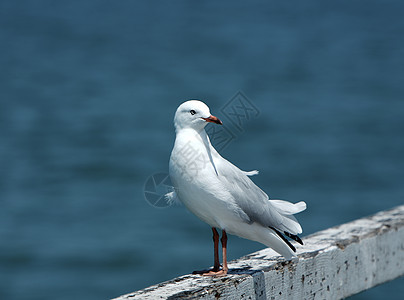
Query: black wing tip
point(294, 237)
point(284, 239)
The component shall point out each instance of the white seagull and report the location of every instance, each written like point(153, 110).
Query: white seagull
point(221, 194)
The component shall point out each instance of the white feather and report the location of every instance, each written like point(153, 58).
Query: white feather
point(287, 208)
point(251, 173)
point(172, 198)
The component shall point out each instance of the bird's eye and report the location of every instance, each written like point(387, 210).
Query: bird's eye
point(192, 112)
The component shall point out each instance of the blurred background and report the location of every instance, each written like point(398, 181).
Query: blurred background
point(88, 91)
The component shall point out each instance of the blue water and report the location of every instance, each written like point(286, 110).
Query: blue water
point(88, 90)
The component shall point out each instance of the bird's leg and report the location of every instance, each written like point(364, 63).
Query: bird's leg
point(224, 251)
point(216, 266)
point(216, 271)
point(223, 271)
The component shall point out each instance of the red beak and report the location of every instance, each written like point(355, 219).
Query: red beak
point(213, 119)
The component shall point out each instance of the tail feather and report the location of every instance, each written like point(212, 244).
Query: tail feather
point(290, 224)
point(251, 173)
point(287, 208)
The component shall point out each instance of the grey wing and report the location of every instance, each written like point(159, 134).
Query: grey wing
point(255, 203)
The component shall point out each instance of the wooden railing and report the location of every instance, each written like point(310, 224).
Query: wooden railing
point(333, 264)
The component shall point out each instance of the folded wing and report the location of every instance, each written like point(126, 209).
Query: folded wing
point(255, 203)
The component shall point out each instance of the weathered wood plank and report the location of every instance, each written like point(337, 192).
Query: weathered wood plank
point(334, 263)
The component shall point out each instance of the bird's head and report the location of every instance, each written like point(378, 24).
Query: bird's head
point(193, 114)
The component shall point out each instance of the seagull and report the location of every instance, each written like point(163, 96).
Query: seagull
point(221, 194)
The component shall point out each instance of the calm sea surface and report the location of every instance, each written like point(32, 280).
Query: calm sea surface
point(88, 91)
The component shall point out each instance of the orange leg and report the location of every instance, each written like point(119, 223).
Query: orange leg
point(223, 271)
point(224, 251)
point(216, 266)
